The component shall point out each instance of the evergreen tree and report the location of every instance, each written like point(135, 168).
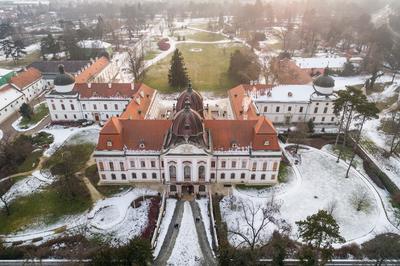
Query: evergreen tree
point(320, 231)
point(177, 75)
point(18, 50)
point(26, 111)
point(243, 67)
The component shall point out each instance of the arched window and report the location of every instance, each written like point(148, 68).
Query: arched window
point(172, 172)
point(265, 166)
point(202, 188)
point(187, 173)
point(202, 172)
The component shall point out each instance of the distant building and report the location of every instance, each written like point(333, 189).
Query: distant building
point(22, 87)
point(287, 105)
point(93, 48)
point(316, 65)
point(71, 101)
point(5, 75)
point(49, 69)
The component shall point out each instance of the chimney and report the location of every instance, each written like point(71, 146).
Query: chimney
point(109, 85)
point(89, 85)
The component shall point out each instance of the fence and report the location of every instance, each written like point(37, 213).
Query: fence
point(159, 219)
point(213, 226)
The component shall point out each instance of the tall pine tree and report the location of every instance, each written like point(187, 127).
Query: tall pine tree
point(177, 75)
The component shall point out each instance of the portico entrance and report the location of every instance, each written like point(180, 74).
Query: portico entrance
point(187, 189)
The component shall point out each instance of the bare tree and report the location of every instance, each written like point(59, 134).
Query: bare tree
point(135, 62)
point(299, 134)
point(360, 199)
point(257, 217)
point(331, 207)
point(4, 196)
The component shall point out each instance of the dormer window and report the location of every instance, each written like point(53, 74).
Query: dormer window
point(290, 94)
point(266, 143)
point(234, 144)
point(141, 145)
point(109, 143)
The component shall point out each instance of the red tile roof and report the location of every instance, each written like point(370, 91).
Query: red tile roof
point(140, 102)
point(105, 90)
point(289, 73)
point(93, 70)
point(238, 99)
point(121, 132)
point(133, 133)
point(25, 78)
point(257, 134)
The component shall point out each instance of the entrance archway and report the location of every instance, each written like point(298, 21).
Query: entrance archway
point(187, 189)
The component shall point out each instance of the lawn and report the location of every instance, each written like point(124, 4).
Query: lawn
point(30, 162)
point(26, 60)
point(43, 207)
point(72, 156)
point(207, 69)
point(206, 37)
point(151, 54)
point(39, 113)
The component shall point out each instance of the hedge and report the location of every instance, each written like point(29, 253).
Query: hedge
point(377, 174)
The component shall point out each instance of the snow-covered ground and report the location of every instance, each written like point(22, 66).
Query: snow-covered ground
point(27, 186)
point(112, 218)
point(322, 185)
point(205, 217)
point(187, 248)
point(62, 134)
point(169, 212)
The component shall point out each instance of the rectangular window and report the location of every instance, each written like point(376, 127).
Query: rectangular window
point(153, 164)
point(121, 166)
point(72, 107)
point(105, 106)
point(103, 176)
point(133, 175)
point(265, 165)
point(273, 177)
point(277, 109)
point(232, 175)
point(84, 106)
point(263, 177)
point(242, 175)
point(289, 108)
point(253, 177)
point(275, 166)
point(212, 164)
point(142, 164)
point(244, 164)
point(332, 118)
point(123, 176)
point(315, 110)
point(325, 110)
point(301, 109)
point(323, 119)
point(222, 176)
point(144, 176)
point(63, 106)
point(53, 106)
point(233, 164)
point(223, 164)
point(212, 176)
point(111, 166)
point(113, 176)
point(254, 168)
point(116, 106)
point(132, 163)
point(94, 107)
point(101, 166)
point(154, 175)
point(265, 109)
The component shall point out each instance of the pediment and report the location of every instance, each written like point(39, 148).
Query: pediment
point(186, 149)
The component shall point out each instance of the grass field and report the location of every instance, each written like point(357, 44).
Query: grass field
point(39, 113)
point(206, 37)
point(151, 54)
point(30, 162)
point(207, 69)
point(26, 60)
point(42, 207)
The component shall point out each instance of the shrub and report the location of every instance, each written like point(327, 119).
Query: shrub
point(163, 45)
point(345, 251)
point(377, 174)
point(154, 210)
